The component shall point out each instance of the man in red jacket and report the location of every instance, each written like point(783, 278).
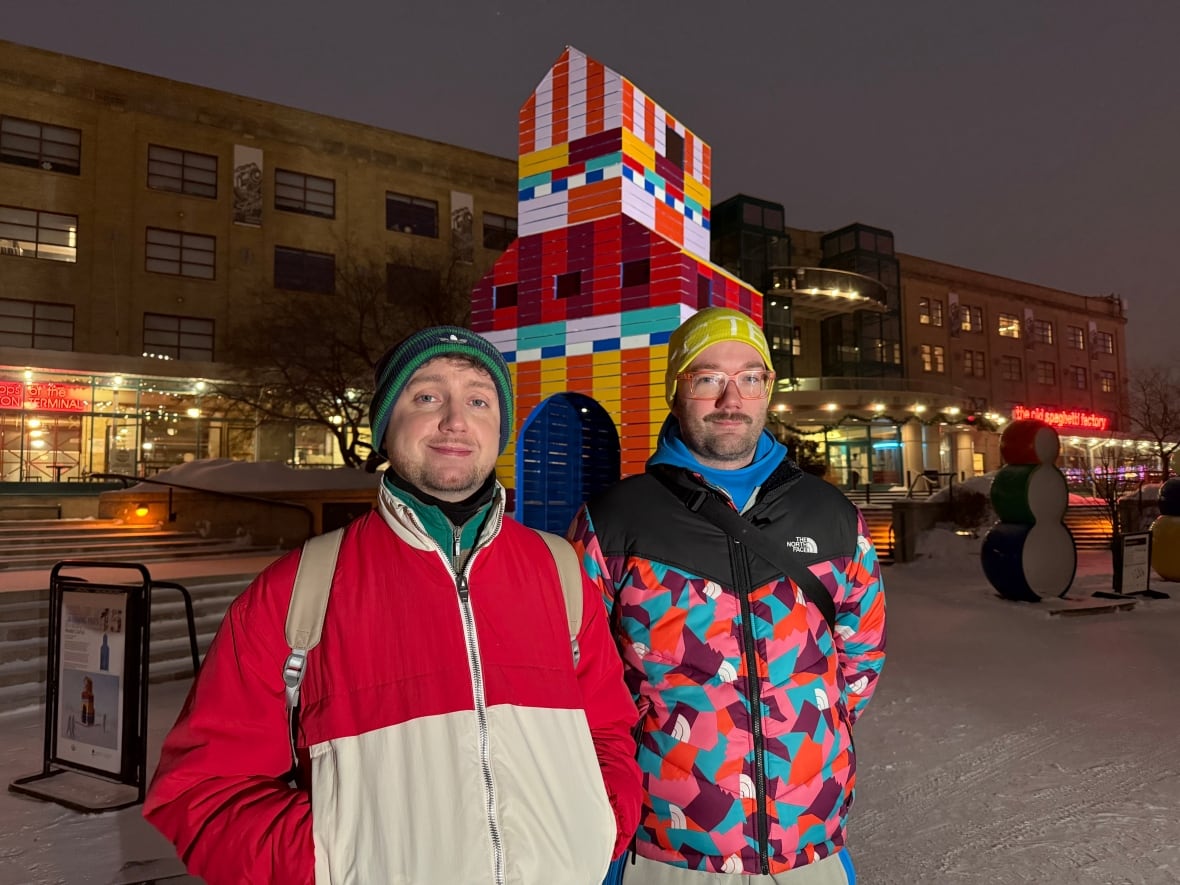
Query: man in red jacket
point(446, 732)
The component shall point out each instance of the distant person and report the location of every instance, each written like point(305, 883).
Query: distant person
point(747, 695)
point(445, 733)
point(854, 479)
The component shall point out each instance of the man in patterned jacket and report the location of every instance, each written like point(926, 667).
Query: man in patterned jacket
point(747, 696)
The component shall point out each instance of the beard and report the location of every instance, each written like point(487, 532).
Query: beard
point(730, 448)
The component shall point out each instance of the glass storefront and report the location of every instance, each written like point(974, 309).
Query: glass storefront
point(57, 427)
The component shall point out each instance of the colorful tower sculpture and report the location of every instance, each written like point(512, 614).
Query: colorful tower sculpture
point(612, 254)
point(1165, 533)
point(1029, 552)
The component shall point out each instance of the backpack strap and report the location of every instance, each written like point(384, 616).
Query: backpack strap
point(569, 570)
point(309, 604)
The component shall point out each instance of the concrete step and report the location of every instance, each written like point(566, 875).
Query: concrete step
point(24, 631)
point(161, 550)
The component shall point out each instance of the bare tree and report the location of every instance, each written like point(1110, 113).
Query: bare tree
point(1153, 404)
point(1113, 475)
point(308, 358)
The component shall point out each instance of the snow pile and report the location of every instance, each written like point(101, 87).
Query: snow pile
point(250, 477)
point(981, 484)
point(946, 543)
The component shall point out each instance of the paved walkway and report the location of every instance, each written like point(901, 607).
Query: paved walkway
point(44, 843)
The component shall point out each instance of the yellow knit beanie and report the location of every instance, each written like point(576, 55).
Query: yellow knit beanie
point(703, 329)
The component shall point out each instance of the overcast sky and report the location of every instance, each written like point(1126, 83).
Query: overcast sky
point(1034, 140)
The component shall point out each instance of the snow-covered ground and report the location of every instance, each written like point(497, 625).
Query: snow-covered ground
point(1004, 745)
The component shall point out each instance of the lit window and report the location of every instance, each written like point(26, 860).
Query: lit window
point(933, 359)
point(1009, 325)
point(1042, 332)
point(1077, 338)
point(930, 312)
point(1104, 343)
point(1106, 382)
point(31, 233)
point(972, 320)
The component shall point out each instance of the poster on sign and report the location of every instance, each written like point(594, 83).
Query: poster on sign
point(90, 679)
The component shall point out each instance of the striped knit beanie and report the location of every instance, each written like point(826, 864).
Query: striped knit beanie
point(706, 328)
point(402, 360)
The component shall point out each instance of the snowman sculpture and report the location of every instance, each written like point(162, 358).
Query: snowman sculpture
point(1165, 533)
point(1029, 553)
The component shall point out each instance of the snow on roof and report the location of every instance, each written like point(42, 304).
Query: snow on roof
point(250, 477)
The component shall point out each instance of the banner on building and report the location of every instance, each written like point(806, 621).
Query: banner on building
point(954, 314)
point(462, 228)
point(247, 185)
point(1028, 327)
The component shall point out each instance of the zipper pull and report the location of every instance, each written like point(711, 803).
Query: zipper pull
point(461, 584)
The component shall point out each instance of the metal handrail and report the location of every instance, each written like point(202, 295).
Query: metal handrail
point(238, 496)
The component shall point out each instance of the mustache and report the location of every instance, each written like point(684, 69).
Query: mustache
point(728, 416)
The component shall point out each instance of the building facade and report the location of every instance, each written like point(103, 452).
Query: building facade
point(140, 218)
point(899, 366)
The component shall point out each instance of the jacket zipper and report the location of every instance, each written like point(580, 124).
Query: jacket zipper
point(481, 709)
point(754, 693)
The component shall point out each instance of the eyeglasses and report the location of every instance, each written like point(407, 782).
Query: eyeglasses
point(751, 383)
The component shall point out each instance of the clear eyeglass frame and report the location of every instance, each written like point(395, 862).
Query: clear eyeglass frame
point(711, 384)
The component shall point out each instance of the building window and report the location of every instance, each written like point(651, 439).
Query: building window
point(31, 233)
point(36, 324)
point(796, 342)
point(181, 254)
point(567, 285)
point(181, 338)
point(305, 194)
point(972, 320)
point(636, 273)
point(411, 215)
point(1009, 325)
point(1042, 332)
point(29, 143)
point(930, 312)
point(1076, 377)
point(1106, 382)
point(704, 291)
point(498, 231)
point(305, 271)
point(933, 359)
point(674, 147)
point(1104, 343)
point(1011, 369)
point(1046, 372)
point(182, 172)
point(1077, 338)
point(505, 296)
point(406, 283)
point(973, 363)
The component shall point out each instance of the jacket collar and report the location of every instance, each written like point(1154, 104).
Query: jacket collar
point(403, 519)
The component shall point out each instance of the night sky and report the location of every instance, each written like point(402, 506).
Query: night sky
point(1034, 140)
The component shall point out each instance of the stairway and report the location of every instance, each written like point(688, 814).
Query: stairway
point(24, 632)
point(880, 522)
point(40, 543)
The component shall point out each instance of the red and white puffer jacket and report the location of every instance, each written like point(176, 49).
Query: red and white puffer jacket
point(450, 736)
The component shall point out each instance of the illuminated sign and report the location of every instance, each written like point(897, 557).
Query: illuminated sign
point(1079, 418)
point(43, 397)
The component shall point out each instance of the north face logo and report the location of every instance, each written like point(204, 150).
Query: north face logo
point(803, 545)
